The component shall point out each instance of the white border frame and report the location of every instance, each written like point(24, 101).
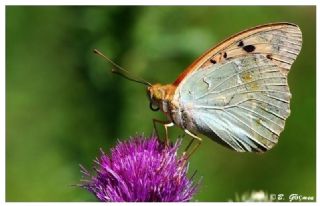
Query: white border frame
point(4, 3)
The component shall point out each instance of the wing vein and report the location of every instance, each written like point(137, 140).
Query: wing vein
point(246, 70)
point(244, 84)
point(261, 116)
point(250, 128)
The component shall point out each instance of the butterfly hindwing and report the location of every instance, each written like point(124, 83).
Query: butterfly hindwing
point(239, 94)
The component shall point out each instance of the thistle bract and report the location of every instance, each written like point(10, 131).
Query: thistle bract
point(141, 170)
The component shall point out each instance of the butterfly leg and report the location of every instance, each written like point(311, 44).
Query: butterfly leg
point(194, 148)
point(166, 124)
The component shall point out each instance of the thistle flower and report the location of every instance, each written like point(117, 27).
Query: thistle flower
point(141, 170)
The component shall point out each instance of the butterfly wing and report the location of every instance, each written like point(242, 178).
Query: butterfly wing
point(280, 42)
point(237, 93)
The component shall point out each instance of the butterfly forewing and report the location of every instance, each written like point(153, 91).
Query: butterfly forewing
point(278, 42)
point(238, 94)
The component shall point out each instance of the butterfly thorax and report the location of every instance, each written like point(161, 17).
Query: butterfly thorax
point(161, 96)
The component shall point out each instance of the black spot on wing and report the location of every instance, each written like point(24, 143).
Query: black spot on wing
point(240, 44)
point(225, 55)
point(213, 61)
point(249, 48)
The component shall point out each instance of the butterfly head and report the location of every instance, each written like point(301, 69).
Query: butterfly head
point(159, 95)
point(155, 94)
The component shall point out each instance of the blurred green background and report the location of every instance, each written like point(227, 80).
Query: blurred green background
point(63, 103)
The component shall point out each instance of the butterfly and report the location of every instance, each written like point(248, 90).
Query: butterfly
point(237, 92)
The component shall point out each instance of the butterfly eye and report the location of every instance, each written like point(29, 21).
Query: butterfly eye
point(153, 107)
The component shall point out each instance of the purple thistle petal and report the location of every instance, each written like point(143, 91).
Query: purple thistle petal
point(141, 170)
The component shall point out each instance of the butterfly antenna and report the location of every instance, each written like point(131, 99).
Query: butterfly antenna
point(121, 71)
